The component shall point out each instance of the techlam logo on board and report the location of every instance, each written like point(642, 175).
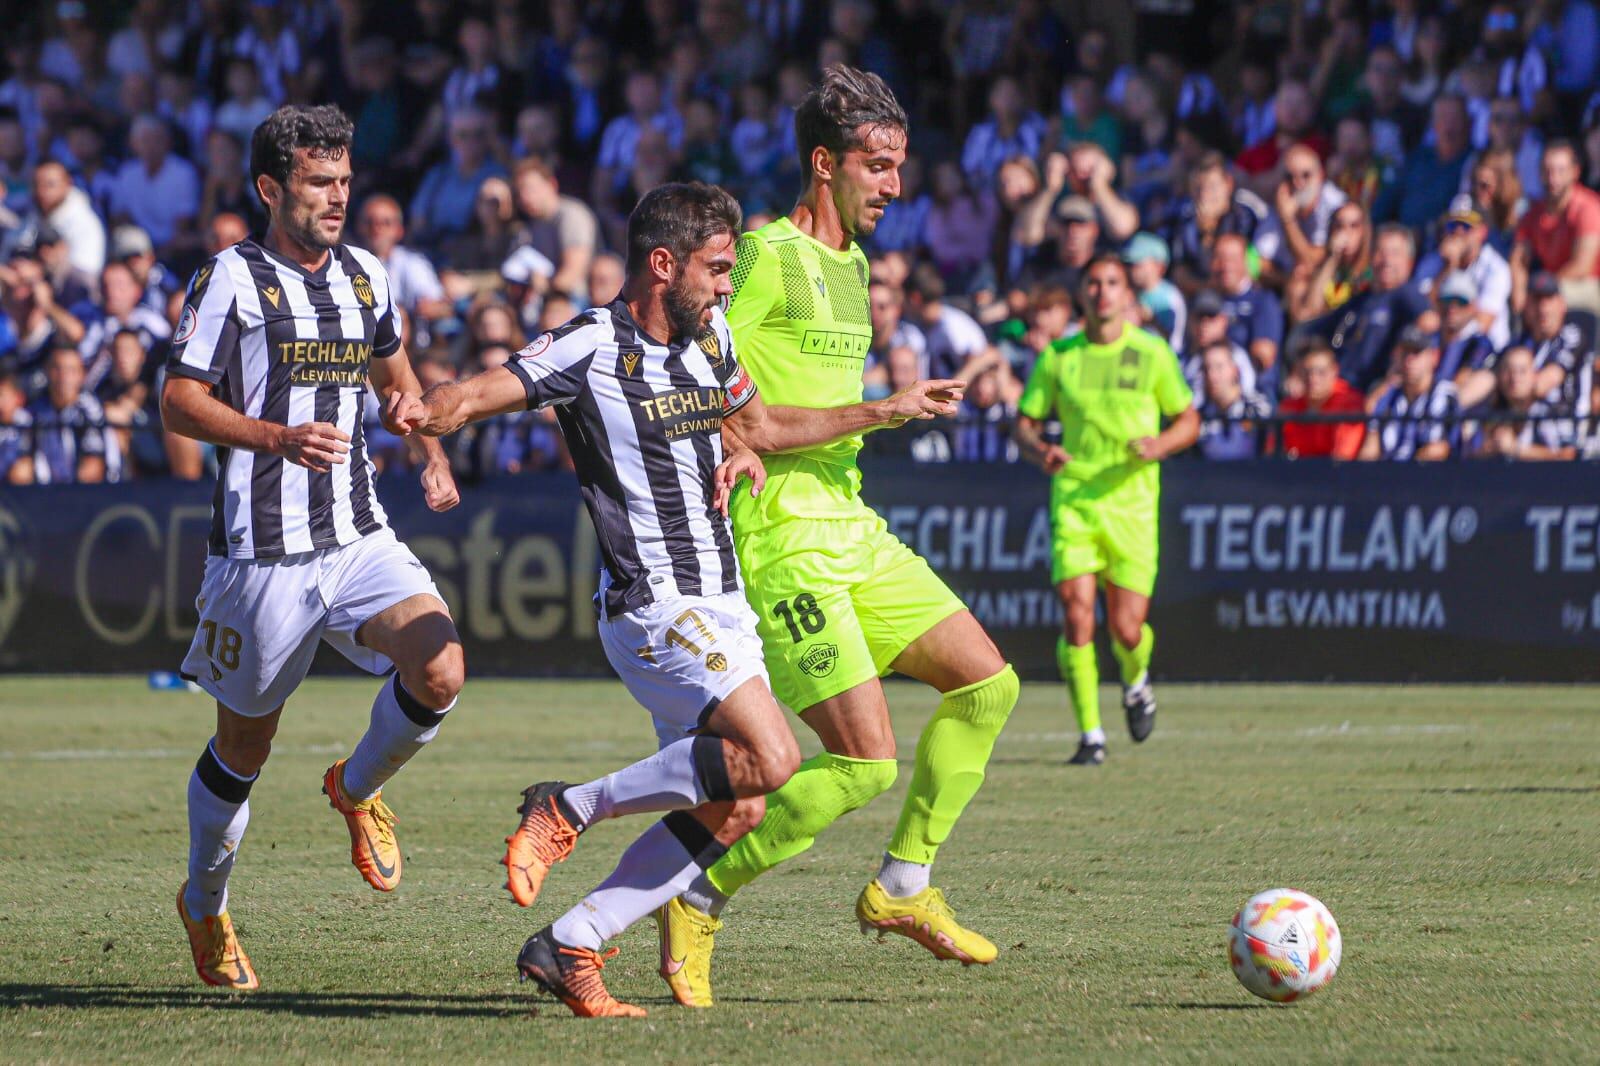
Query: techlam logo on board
point(1329, 539)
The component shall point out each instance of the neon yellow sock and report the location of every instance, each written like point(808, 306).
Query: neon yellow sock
point(1134, 661)
point(951, 756)
point(1081, 671)
point(825, 788)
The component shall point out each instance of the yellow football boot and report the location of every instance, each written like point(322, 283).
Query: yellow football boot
point(925, 918)
point(687, 937)
point(218, 958)
point(373, 847)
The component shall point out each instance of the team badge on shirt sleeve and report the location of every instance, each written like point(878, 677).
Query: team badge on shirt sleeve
point(540, 345)
point(186, 325)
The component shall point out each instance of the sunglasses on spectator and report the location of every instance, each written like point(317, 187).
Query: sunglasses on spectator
point(1303, 175)
point(1457, 227)
point(1453, 301)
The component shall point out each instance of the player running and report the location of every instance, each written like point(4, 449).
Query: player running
point(840, 601)
point(1110, 386)
point(270, 363)
point(643, 388)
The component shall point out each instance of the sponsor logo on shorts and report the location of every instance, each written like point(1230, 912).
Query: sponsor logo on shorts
point(716, 661)
point(819, 659)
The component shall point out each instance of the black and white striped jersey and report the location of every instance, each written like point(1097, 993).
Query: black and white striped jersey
point(286, 345)
point(643, 421)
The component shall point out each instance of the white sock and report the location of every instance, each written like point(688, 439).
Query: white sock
point(681, 776)
point(1095, 736)
point(705, 897)
point(398, 729)
point(654, 869)
point(900, 878)
point(219, 810)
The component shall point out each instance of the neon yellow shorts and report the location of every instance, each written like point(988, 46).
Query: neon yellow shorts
point(1117, 540)
point(837, 600)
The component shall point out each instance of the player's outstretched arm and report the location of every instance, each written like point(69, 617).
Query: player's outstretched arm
point(777, 429)
point(189, 409)
point(449, 405)
point(392, 376)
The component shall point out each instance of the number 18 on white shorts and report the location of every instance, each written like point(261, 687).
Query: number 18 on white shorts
point(261, 619)
point(681, 657)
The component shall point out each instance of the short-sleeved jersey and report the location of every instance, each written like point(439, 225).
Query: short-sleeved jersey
point(643, 422)
point(286, 345)
point(1106, 396)
point(800, 317)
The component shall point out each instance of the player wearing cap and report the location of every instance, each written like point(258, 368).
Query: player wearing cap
point(1110, 386)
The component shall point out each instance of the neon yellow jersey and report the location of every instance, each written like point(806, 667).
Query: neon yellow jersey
point(1106, 396)
point(801, 327)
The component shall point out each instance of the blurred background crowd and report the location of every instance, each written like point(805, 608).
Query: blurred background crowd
point(1369, 230)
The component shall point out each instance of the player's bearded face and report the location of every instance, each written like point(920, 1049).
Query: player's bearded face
point(867, 179)
point(312, 209)
point(699, 284)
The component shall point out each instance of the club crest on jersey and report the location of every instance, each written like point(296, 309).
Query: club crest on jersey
point(716, 661)
point(819, 659)
point(271, 292)
point(630, 361)
point(711, 345)
point(186, 325)
point(363, 288)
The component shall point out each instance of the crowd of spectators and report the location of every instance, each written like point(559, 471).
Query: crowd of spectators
point(1368, 229)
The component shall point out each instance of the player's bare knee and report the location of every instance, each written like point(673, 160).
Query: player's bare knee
point(745, 816)
point(775, 764)
point(1079, 627)
point(1126, 629)
point(244, 754)
point(436, 682)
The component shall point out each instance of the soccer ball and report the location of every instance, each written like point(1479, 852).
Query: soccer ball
point(1283, 945)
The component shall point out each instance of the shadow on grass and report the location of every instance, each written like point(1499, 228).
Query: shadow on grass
point(1188, 1005)
point(313, 1004)
point(328, 1004)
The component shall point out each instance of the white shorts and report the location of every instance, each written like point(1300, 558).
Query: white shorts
point(261, 619)
point(682, 657)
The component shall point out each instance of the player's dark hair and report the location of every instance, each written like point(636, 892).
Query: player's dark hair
point(841, 111)
point(680, 216)
point(1099, 259)
point(324, 131)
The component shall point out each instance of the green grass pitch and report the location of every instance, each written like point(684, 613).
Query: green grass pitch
point(1454, 832)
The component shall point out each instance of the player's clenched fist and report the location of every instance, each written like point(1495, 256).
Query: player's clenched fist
point(316, 446)
point(439, 486)
point(1053, 457)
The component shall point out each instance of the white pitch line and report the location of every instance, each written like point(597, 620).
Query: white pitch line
point(1344, 729)
point(74, 754)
